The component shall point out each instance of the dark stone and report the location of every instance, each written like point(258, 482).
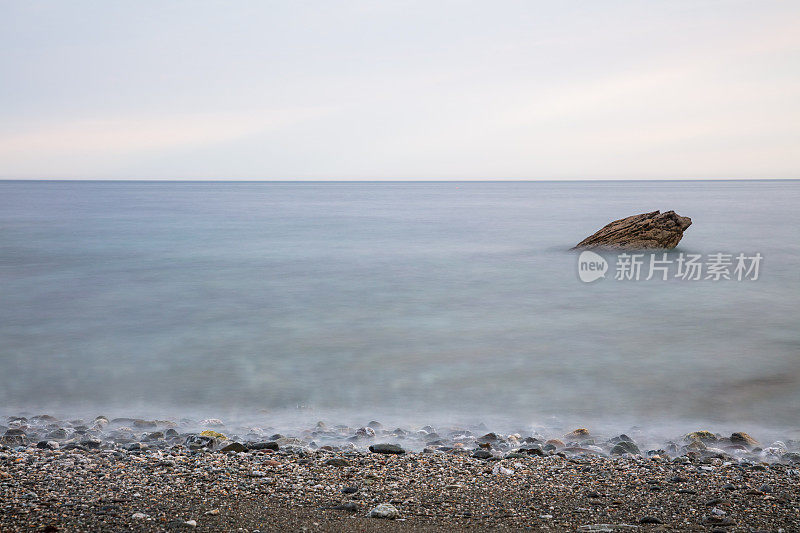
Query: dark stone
point(263, 446)
point(234, 447)
point(482, 454)
point(57, 434)
point(337, 461)
point(347, 506)
point(516, 455)
point(532, 450)
point(790, 457)
point(387, 448)
point(91, 443)
point(195, 442)
point(637, 232)
point(489, 437)
point(13, 441)
point(349, 490)
point(650, 520)
point(625, 446)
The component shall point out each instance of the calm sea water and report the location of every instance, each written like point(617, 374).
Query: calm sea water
point(428, 299)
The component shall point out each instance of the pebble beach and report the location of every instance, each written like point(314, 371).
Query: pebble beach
point(128, 474)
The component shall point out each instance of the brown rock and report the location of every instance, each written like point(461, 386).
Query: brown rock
point(648, 230)
point(702, 435)
point(580, 433)
point(741, 437)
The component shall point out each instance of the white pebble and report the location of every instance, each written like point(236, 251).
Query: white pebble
point(385, 510)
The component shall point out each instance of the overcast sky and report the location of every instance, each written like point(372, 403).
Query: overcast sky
point(400, 90)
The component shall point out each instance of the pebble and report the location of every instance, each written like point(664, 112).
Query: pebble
point(625, 446)
point(501, 470)
point(366, 432)
point(271, 445)
point(347, 506)
point(387, 449)
point(234, 447)
point(308, 467)
point(386, 511)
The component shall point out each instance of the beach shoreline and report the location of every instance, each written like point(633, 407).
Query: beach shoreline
point(150, 475)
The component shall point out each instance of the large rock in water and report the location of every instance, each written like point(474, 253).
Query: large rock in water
point(648, 230)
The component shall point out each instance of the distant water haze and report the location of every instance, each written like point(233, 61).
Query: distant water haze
point(420, 301)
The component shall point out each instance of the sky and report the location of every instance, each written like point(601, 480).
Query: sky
point(433, 89)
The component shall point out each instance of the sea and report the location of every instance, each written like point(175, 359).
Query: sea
point(420, 301)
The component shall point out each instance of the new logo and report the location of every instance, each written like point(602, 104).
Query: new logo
point(591, 266)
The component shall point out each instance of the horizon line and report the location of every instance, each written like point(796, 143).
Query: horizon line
point(390, 180)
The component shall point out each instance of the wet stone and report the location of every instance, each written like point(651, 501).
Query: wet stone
point(272, 445)
point(234, 447)
point(387, 449)
point(482, 454)
point(625, 446)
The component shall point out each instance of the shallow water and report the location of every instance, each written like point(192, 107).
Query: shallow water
point(415, 300)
